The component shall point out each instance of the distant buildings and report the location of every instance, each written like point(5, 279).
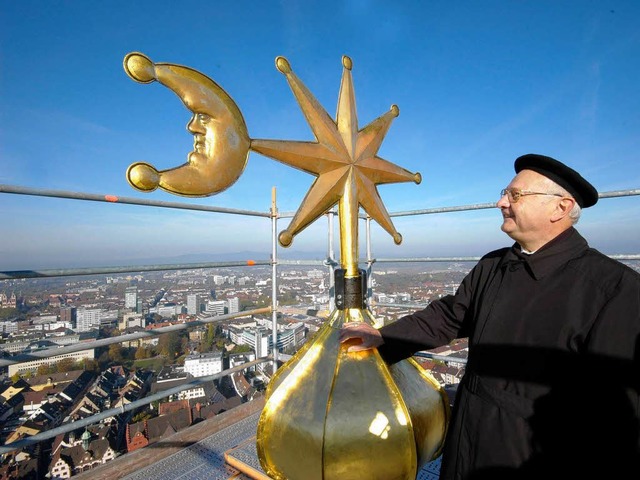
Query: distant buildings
point(90, 318)
point(131, 320)
point(167, 310)
point(101, 395)
point(46, 400)
point(39, 404)
point(315, 273)
point(452, 371)
point(173, 376)
point(8, 301)
point(203, 364)
point(258, 335)
point(82, 450)
point(32, 341)
point(68, 314)
point(216, 307)
point(33, 365)
point(131, 297)
point(8, 327)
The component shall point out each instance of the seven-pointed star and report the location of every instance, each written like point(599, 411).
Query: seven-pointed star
point(343, 158)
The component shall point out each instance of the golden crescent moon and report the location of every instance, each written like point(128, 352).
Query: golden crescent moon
point(221, 140)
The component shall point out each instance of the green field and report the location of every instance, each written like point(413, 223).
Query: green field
point(155, 363)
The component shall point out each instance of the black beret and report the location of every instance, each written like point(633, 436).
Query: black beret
point(585, 194)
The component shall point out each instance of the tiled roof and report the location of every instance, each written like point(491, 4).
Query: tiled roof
point(173, 422)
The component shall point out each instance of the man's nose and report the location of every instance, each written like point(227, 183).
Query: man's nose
point(194, 125)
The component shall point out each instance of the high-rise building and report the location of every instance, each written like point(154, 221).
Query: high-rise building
point(261, 342)
point(234, 304)
point(131, 297)
point(68, 314)
point(193, 304)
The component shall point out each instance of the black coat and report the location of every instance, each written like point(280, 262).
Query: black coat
point(553, 373)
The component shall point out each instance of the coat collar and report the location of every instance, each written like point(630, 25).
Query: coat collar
point(566, 246)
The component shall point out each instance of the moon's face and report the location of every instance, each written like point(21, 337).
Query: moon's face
point(221, 142)
point(204, 134)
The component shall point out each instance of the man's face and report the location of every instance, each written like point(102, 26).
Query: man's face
point(528, 220)
point(202, 126)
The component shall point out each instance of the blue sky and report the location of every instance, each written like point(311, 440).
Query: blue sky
point(477, 84)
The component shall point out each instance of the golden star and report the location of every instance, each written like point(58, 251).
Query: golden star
point(343, 158)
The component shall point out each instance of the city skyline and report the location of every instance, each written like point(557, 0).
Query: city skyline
point(476, 86)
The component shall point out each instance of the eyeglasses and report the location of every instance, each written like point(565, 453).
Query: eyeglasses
point(514, 194)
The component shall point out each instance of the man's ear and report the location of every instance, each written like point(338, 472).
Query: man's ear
point(563, 209)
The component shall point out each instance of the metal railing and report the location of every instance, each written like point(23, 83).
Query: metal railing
point(273, 215)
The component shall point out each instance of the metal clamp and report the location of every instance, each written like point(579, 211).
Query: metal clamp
point(350, 291)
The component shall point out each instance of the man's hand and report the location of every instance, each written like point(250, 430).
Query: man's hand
point(361, 336)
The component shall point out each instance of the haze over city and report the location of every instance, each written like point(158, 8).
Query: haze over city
point(477, 84)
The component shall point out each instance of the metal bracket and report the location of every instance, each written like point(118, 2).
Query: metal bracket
point(350, 291)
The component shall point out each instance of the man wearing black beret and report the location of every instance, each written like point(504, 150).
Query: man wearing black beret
point(552, 383)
